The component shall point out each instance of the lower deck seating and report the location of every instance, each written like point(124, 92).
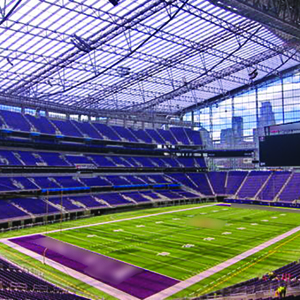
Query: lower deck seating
point(291, 191)
point(18, 284)
point(253, 183)
point(217, 180)
point(102, 189)
point(202, 183)
point(286, 275)
point(168, 194)
point(36, 295)
point(234, 181)
point(274, 185)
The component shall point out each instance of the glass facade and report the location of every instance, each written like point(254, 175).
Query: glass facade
point(275, 102)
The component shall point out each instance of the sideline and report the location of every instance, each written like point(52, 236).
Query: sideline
point(109, 222)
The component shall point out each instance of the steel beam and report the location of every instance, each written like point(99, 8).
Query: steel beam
point(235, 29)
point(283, 15)
point(201, 81)
point(240, 90)
point(97, 40)
point(6, 14)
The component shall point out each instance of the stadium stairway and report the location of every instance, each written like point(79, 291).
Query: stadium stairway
point(263, 185)
point(277, 197)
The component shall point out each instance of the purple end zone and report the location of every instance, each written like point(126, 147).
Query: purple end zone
point(224, 204)
point(130, 279)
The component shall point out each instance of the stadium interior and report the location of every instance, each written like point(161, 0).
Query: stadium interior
point(149, 149)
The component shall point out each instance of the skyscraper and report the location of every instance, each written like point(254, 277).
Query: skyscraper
point(266, 117)
point(237, 128)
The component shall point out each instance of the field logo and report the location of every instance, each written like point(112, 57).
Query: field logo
point(163, 254)
point(188, 246)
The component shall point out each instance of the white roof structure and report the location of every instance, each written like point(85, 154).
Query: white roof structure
point(158, 56)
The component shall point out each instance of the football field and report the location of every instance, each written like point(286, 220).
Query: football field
point(184, 243)
point(169, 245)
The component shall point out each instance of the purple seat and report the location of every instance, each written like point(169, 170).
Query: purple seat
point(291, 191)
point(88, 130)
point(217, 180)
point(41, 124)
point(234, 180)
point(67, 128)
point(15, 120)
point(253, 183)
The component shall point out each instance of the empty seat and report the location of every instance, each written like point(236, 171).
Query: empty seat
point(180, 135)
point(125, 133)
point(67, 128)
point(15, 120)
point(8, 211)
point(88, 130)
point(107, 131)
point(53, 159)
point(41, 124)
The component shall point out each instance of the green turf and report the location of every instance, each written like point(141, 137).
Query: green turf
point(141, 240)
point(256, 265)
point(141, 245)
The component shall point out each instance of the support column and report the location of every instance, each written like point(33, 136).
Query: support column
point(282, 99)
point(211, 123)
point(193, 120)
point(256, 107)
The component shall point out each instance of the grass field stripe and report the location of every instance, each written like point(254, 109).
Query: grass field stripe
point(238, 272)
point(149, 243)
point(191, 281)
point(152, 251)
point(163, 237)
point(156, 261)
point(120, 220)
point(86, 279)
point(258, 260)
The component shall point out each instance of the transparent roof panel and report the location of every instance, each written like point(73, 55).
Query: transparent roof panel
point(92, 55)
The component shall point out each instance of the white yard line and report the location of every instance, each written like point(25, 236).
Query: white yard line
point(114, 221)
point(187, 283)
point(86, 279)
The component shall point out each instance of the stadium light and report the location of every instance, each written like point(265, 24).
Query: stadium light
point(253, 74)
